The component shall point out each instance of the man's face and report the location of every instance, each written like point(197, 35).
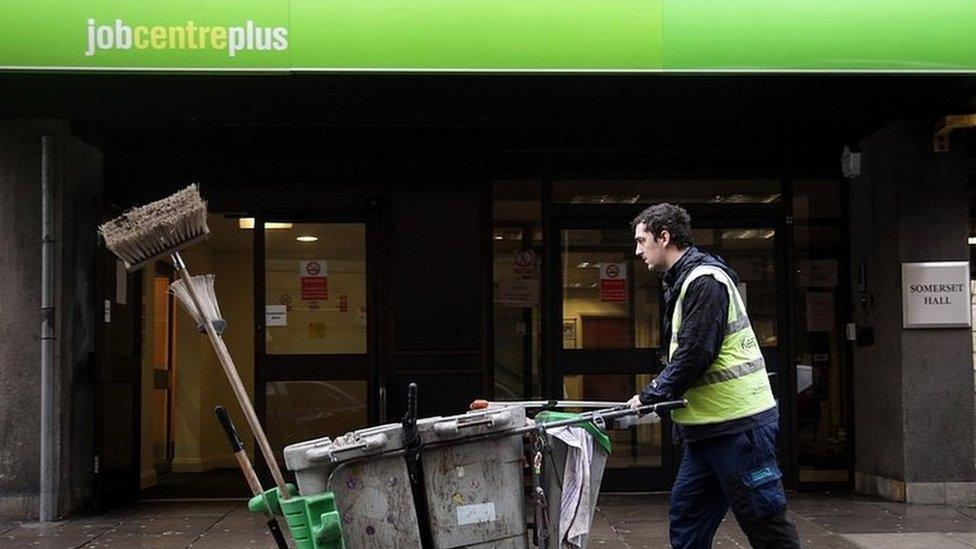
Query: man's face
point(649, 249)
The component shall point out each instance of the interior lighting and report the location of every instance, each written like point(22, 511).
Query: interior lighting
point(307, 238)
point(248, 223)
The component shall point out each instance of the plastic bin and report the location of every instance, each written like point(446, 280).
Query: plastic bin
point(373, 495)
point(474, 486)
point(554, 472)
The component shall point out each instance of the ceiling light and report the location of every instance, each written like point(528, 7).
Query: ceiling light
point(583, 265)
point(307, 238)
point(972, 241)
point(248, 223)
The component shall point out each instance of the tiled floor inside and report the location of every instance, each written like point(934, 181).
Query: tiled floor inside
point(626, 521)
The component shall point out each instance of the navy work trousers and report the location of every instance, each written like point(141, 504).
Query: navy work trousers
point(737, 471)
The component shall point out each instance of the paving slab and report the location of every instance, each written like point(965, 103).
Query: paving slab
point(908, 540)
point(621, 521)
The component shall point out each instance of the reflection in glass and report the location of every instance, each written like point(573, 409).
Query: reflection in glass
point(303, 410)
point(316, 289)
point(636, 446)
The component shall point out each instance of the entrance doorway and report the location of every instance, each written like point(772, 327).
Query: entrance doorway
point(609, 308)
point(184, 453)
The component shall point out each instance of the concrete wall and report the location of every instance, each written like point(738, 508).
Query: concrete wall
point(78, 179)
point(913, 389)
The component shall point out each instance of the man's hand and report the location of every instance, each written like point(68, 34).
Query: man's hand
point(635, 402)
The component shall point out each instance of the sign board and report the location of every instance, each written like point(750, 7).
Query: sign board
point(613, 282)
point(586, 36)
point(517, 292)
point(819, 308)
point(523, 262)
point(936, 294)
point(275, 315)
point(121, 282)
point(314, 280)
point(817, 273)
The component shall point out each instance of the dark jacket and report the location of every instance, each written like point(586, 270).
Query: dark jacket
point(704, 312)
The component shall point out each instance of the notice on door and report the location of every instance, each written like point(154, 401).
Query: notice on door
point(517, 293)
point(314, 280)
point(523, 262)
point(613, 282)
point(275, 315)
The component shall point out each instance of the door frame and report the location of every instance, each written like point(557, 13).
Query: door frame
point(334, 367)
point(635, 361)
point(161, 269)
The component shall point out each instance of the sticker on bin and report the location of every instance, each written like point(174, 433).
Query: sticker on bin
point(475, 514)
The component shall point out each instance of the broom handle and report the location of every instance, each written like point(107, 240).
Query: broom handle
point(235, 380)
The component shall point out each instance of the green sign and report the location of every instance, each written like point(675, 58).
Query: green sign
point(490, 35)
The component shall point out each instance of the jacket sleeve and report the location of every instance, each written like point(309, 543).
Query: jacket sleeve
point(704, 311)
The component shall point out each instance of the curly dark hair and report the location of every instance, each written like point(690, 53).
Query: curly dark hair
point(664, 216)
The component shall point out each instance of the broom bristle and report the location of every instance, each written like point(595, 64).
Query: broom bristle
point(157, 229)
point(204, 287)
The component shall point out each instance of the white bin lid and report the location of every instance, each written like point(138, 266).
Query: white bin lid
point(474, 423)
point(326, 451)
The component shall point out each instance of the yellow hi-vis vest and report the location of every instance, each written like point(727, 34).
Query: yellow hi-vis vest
point(736, 384)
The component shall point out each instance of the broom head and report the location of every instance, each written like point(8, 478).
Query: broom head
point(204, 289)
point(158, 229)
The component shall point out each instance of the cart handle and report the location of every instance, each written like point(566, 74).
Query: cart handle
point(453, 426)
point(373, 442)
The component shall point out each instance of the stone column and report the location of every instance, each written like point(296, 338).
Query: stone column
point(913, 389)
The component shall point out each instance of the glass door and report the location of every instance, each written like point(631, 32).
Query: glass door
point(609, 308)
point(315, 364)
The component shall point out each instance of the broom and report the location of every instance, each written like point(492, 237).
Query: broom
point(163, 228)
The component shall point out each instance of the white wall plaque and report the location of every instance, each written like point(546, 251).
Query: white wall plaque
point(936, 294)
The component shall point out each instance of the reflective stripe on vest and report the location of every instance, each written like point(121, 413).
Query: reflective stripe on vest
point(736, 384)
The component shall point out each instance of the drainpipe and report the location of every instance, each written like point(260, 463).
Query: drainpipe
point(48, 502)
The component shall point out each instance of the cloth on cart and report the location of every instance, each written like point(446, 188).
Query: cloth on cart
point(575, 506)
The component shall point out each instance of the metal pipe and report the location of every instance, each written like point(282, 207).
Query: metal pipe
point(50, 481)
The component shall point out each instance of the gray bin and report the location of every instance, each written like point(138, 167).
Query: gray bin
point(373, 495)
point(474, 487)
point(554, 472)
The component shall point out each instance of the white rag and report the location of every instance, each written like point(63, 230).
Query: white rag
point(574, 508)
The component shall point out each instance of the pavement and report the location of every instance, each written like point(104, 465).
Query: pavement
point(625, 521)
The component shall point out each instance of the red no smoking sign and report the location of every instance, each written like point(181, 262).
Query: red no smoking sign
point(314, 280)
point(613, 282)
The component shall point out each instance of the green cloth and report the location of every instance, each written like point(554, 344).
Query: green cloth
point(598, 434)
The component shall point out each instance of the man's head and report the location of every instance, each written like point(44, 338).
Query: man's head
point(662, 233)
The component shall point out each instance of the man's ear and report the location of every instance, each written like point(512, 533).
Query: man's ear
point(665, 237)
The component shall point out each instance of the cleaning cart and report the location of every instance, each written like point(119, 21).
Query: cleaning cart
point(457, 481)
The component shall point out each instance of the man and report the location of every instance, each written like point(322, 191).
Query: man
point(730, 425)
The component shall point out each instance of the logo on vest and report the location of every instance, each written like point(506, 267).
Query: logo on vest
point(749, 342)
